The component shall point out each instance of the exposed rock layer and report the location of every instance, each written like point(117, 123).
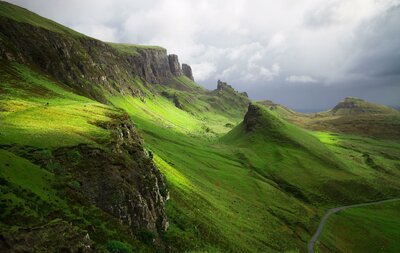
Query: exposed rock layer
point(174, 65)
point(123, 180)
point(83, 63)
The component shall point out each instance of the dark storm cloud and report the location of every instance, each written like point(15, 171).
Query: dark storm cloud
point(378, 48)
point(307, 54)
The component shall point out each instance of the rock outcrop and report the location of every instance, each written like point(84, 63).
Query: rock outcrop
point(223, 86)
point(123, 181)
point(228, 98)
point(187, 71)
point(257, 118)
point(253, 118)
point(174, 65)
point(83, 63)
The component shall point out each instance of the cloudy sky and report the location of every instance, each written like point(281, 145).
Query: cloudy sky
point(306, 54)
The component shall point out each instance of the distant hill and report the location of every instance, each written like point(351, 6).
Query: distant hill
point(357, 106)
point(353, 116)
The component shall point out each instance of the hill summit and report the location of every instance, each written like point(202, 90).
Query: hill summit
point(356, 106)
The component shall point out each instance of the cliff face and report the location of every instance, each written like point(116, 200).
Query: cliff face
point(118, 177)
point(174, 65)
point(122, 180)
point(187, 71)
point(83, 63)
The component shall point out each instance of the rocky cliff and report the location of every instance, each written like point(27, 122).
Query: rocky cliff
point(229, 97)
point(187, 71)
point(174, 65)
point(85, 64)
point(122, 180)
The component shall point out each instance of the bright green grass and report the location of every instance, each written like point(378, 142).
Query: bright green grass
point(363, 229)
point(50, 116)
point(24, 16)
point(215, 200)
point(326, 174)
point(133, 48)
point(165, 114)
point(161, 111)
point(225, 187)
point(352, 149)
point(327, 138)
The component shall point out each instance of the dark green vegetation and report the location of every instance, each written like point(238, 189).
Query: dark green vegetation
point(239, 178)
point(373, 229)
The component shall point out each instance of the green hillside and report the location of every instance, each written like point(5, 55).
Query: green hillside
point(108, 150)
point(375, 229)
point(22, 15)
point(353, 116)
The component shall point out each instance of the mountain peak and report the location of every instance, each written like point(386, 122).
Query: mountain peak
point(258, 118)
point(223, 86)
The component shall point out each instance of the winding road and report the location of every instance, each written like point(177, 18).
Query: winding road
point(310, 246)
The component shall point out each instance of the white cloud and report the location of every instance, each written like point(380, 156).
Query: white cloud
point(301, 79)
point(100, 32)
point(248, 43)
point(203, 70)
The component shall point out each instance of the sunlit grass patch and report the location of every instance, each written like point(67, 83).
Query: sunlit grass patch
point(60, 118)
point(173, 175)
point(327, 138)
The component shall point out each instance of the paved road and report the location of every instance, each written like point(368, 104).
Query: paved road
point(310, 246)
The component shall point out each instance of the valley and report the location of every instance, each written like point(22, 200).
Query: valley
point(107, 147)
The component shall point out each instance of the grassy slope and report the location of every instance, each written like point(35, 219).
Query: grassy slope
point(217, 188)
point(213, 196)
point(279, 150)
point(32, 196)
point(24, 16)
point(247, 193)
point(363, 229)
point(34, 111)
point(236, 180)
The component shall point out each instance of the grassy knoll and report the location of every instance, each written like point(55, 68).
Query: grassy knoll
point(363, 229)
